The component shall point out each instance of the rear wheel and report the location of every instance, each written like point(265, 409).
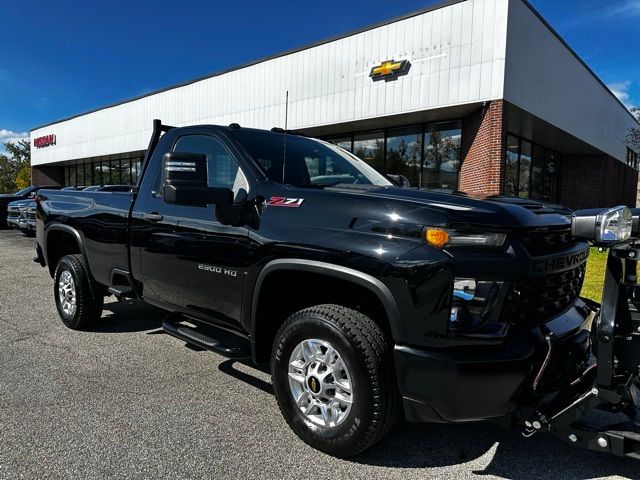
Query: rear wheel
point(77, 307)
point(333, 378)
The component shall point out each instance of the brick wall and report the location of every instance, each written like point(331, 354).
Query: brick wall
point(483, 149)
point(590, 181)
point(44, 175)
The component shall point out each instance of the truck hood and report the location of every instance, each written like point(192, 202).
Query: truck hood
point(495, 212)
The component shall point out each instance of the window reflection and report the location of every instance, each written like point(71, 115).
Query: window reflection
point(511, 166)
point(530, 170)
point(404, 153)
point(442, 155)
point(524, 172)
point(370, 148)
point(344, 142)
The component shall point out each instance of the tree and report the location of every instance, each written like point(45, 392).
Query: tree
point(15, 166)
point(633, 137)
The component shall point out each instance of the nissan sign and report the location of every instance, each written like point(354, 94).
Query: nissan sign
point(44, 141)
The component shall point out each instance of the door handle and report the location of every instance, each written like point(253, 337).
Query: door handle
point(152, 217)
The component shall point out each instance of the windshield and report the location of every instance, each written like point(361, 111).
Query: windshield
point(309, 162)
point(22, 192)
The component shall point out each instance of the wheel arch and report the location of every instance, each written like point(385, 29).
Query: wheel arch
point(55, 248)
point(365, 283)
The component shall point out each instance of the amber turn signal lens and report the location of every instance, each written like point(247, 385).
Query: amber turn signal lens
point(436, 237)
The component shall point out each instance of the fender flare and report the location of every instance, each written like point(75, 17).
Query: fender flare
point(365, 280)
point(79, 240)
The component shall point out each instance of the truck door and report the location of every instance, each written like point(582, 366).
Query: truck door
point(187, 257)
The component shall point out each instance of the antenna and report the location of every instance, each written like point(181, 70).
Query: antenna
point(284, 153)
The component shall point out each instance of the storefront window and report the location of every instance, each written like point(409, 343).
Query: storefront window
point(125, 172)
point(537, 166)
point(79, 175)
point(135, 170)
point(66, 176)
point(511, 166)
point(404, 153)
point(72, 175)
point(97, 173)
point(550, 179)
point(370, 148)
point(344, 142)
point(114, 172)
point(530, 170)
point(442, 156)
point(524, 169)
point(88, 173)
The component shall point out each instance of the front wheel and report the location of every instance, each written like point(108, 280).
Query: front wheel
point(77, 307)
point(333, 378)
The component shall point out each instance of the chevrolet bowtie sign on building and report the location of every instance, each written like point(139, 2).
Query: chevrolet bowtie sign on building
point(390, 70)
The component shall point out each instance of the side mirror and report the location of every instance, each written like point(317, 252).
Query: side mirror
point(398, 180)
point(185, 181)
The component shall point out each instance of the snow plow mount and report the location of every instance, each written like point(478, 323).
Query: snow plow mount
point(610, 386)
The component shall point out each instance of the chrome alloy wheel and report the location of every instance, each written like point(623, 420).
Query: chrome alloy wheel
point(320, 383)
point(67, 293)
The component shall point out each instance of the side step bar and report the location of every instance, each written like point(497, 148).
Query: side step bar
point(122, 291)
point(236, 348)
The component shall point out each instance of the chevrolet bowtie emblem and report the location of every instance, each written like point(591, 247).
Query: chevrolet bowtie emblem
point(390, 69)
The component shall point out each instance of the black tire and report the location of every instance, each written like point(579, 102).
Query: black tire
point(364, 348)
point(88, 309)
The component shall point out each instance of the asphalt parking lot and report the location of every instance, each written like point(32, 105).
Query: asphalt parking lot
point(127, 401)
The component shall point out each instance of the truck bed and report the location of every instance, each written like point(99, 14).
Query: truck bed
point(100, 218)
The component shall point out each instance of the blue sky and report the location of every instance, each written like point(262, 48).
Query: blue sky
point(65, 57)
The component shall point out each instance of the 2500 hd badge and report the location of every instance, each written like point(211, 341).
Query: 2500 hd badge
point(215, 269)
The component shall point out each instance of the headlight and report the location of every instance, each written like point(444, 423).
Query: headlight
point(603, 225)
point(440, 237)
point(473, 301)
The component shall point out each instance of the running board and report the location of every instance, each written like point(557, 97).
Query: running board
point(122, 291)
point(236, 348)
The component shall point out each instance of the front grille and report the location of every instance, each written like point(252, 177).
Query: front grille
point(13, 214)
point(546, 242)
point(543, 298)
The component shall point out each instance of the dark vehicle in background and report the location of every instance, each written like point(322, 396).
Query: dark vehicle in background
point(365, 298)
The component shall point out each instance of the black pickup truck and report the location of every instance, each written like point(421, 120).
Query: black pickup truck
point(365, 298)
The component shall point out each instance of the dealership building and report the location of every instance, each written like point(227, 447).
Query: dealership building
point(475, 95)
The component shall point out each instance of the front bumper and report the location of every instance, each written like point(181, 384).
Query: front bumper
point(26, 225)
point(461, 384)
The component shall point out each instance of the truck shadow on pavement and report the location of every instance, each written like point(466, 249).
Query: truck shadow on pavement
point(497, 452)
point(127, 317)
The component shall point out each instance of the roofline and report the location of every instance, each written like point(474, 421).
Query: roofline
point(573, 52)
point(436, 6)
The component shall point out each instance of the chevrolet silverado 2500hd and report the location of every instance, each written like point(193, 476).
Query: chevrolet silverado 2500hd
point(366, 299)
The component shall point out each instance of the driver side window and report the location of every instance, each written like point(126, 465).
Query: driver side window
point(222, 168)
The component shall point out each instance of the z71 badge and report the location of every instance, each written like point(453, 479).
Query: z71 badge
point(285, 202)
